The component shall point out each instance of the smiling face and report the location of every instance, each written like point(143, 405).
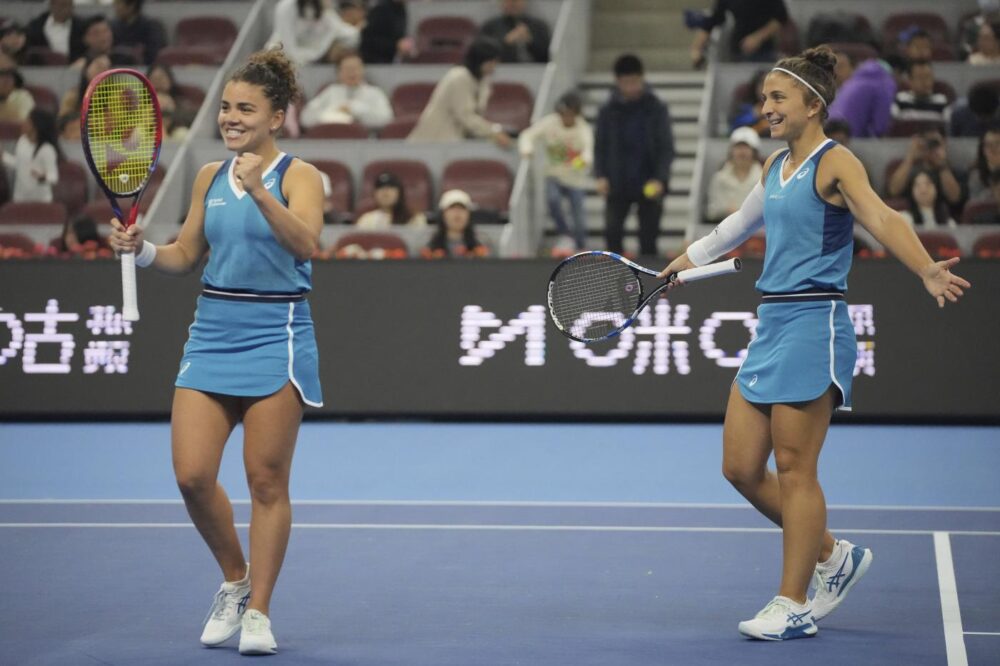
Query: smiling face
point(246, 118)
point(785, 106)
point(924, 191)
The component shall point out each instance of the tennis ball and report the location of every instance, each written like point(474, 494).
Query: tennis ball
point(650, 190)
point(578, 163)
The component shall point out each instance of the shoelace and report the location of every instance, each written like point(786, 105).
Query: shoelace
point(777, 605)
point(255, 623)
point(222, 602)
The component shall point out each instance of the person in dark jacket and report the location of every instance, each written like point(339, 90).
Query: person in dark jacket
point(384, 39)
point(633, 151)
point(524, 38)
point(58, 29)
point(134, 29)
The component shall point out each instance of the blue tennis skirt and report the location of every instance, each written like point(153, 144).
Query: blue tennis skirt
point(251, 349)
point(801, 349)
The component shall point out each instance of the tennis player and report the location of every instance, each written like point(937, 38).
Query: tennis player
point(800, 365)
point(251, 353)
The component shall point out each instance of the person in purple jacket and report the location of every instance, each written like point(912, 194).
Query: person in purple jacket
point(865, 99)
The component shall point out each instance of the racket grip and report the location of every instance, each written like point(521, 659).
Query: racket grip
point(130, 300)
point(709, 270)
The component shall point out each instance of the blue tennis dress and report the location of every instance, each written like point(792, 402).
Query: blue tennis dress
point(805, 340)
point(252, 331)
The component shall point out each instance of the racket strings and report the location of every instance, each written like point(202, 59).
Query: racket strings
point(122, 132)
point(592, 296)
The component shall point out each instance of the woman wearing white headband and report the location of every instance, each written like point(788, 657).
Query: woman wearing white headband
point(799, 366)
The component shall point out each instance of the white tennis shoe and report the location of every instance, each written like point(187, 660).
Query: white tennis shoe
point(847, 565)
point(780, 620)
point(224, 617)
point(256, 637)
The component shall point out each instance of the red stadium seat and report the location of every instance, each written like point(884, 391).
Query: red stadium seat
point(933, 23)
point(337, 131)
point(18, 242)
point(399, 128)
point(857, 50)
point(189, 96)
point(176, 56)
point(987, 246)
point(939, 244)
point(443, 39)
point(218, 32)
point(45, 57)
point(409, 99)
point(907, 128)
point(44, 98)
point(341, 196)
point(416, 179)
point(9, 130)
point(510, 105)
point(100, 211)
point(981, 212)
point(369, 245)
point(487, 182)
point(32, 212)
point(71, 190)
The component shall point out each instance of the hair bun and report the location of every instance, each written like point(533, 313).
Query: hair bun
point(822, 57)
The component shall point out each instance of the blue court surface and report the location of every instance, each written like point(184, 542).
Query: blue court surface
point(554, 545)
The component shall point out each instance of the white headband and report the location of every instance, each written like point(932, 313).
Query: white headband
point(803, 81)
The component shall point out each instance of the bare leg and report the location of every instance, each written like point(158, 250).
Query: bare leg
point(746, 446)
point(798, 432)
point(200, 425)
point(271, 426)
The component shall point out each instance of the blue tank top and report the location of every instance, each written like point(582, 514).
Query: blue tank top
point(810, 242)
point(245, 254)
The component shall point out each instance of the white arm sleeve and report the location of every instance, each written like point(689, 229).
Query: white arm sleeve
point(732, 231)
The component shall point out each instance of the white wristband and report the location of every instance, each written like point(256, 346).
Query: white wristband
point(146, 255)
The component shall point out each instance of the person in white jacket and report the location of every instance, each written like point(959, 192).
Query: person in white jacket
point(312, 31)
point(569, 151)
point(350, 100)
point(35, 160)
point(731, 184)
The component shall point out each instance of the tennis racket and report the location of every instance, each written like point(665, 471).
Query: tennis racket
point(597, 295)
point(122, 128)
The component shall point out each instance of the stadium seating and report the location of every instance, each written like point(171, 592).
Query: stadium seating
point(44, 98)
point(32, 212)
point(896, 23)
point(975, 210)
point(443, 39)
point(409, 99)
point(369, 245)
point(939, 244)
point(341, 197)
point(18, 242)
point(337, 131)
point(71, 190)
point(987, 246)
point(416, 179)
point(399, 128)
point(510, 105)
point(487, 182)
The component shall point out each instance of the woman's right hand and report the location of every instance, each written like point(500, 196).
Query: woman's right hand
point(123, 240)
point(681, 263)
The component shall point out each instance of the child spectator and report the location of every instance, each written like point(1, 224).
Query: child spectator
point(920, 102)
point(15, 102)
point(391, 208)
point(311, 31)
point(455, 110)
point(455, 235)
point(569, 149)
point(925, 206)
point(731, 184)
point(35, 158)
point(524, 38)
point(349, 100)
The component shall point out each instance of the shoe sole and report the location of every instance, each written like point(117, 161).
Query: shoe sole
point(220, 642)
point(785, 636)
point(862, 569)
point(258, 650)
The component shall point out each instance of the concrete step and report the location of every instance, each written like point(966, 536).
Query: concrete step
point(624, 31)
point(660, 58)
point(696, 78)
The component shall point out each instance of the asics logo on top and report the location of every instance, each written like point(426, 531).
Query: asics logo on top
point(243, 602)
point(834, 580)
point(184, 368)
point(753, 380)
point(269, 184)
point(796, 618)
point(802, 174)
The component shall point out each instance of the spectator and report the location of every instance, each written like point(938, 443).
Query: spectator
point(13, 44)
point(987, 161)
point(987, 48)
point(731, 184)
point(633, 152)
point(175, 123)
point(925, 205)
point(756, 24)
point(920, 102)
point(79, 235)
point(71, 99)
point(58, 29)
point(353, 12)
point(15, 102)
point(865, 99)
point(524, 38)
point(98, 40)
point(746, 111)
point(349, 100)
point(69, 127)
point(456, 234)
point(972, 116)
point(991, 195)
point(391, 208)
point(846, 64)
point(310, 31)
point(928, 150)
point(569, 150)
point(455, 109)
point(130, 28)
point(35, 158)
point(916, 44)
point(838, 130)
point(384, 39)
point(968, 29)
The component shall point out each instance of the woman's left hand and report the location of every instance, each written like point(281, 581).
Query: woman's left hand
point(248, 171)
point(942, 284)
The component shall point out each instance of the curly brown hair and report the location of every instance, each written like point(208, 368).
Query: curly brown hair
point(275, 73)
point(815, 66)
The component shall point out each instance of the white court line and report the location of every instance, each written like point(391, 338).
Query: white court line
point(501, 528)
point(951, 614)
point(981, 633)
point(505, 503)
